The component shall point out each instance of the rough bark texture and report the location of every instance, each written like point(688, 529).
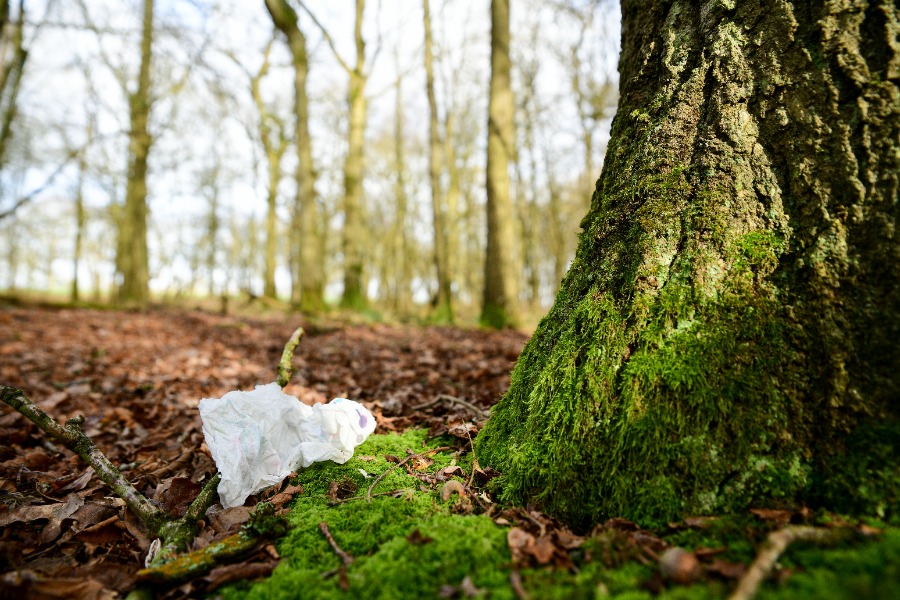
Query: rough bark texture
point(132, 260)
point(500, 304)
point(309, 276)
point(727, 333)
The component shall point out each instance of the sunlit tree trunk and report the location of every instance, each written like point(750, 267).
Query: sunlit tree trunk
point(132, 259)
point(75, 292)
point(727, 334)
point(274, 142)
point(400, 243)
point(500, 301)
point(443, 309)
point(11, 69)
point(308, 279)
point(354, 233)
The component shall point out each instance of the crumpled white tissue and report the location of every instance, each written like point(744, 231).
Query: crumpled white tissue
point(257, 438)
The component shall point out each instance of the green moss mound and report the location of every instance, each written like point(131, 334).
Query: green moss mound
point(391, 562)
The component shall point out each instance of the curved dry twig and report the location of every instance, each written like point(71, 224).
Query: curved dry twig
point(402, 462)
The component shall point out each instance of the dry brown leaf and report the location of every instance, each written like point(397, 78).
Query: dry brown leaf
point(520, 543)
point(778, 516)
point(543, 549)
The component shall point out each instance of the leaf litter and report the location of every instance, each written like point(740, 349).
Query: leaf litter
point(137, 378)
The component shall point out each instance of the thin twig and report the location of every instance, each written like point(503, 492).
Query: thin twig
point(352, 498)
point(346, 558)
point(204, 500)
point(776, 544)
point(285, 369)
point(475, 464)
point(451, 400)
point(402, 462)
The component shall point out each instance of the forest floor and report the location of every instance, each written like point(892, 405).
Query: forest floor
point(411, 515)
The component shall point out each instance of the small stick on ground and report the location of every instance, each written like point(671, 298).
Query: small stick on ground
point(285, 369)
point(345, 558)
point(775, 545)
point(402, 462)
point(451, 400)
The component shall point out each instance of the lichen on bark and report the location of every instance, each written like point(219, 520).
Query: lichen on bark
point(727, 330)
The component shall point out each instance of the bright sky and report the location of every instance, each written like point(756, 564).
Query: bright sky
point(74, 76)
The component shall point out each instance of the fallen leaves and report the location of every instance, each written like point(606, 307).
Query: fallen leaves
point(137, 378)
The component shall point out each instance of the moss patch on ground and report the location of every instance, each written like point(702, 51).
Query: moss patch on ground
point(392, 561)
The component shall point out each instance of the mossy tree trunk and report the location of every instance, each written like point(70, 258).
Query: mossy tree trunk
point(727, 334)
point(499, 306)
point(132, 260)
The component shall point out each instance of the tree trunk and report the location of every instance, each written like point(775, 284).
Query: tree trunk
point(132, 259)
point(75, 292)
point(443, 309)
point(309, 277)
point(355, 296)
point(500, 303)
point(274, 147)
point(727, 334)
point(400, 250)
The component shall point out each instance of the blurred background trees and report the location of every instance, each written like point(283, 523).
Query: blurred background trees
point(301, 154)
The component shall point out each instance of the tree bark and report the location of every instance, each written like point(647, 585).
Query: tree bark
point(274, 147)
point(309, 277)
point(132, 258)
point(400, 247)
point(726, 335)
point(500, 302)
point(443, 308)
point(355, 295)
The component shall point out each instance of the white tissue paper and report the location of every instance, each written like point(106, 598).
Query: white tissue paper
point(257, 438)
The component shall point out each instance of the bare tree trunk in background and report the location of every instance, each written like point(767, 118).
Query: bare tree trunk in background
point(308, 281)
point(274, 142)
point(355, 294)
point(400, 242)
point(132, 260)
point(443, 309)
point(453, 201)
point(75, 293)
point(11, 34)
point(500, 302)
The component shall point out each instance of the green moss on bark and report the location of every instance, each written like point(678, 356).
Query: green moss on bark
point(723, 334)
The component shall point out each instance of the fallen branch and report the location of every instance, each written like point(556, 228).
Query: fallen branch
point(168, 563)
point(72, 437)
point(263, 525)
point(402, 462)
point(775, 545)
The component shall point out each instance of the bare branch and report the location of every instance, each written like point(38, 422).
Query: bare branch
point(327, 37)
point(285, 370)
